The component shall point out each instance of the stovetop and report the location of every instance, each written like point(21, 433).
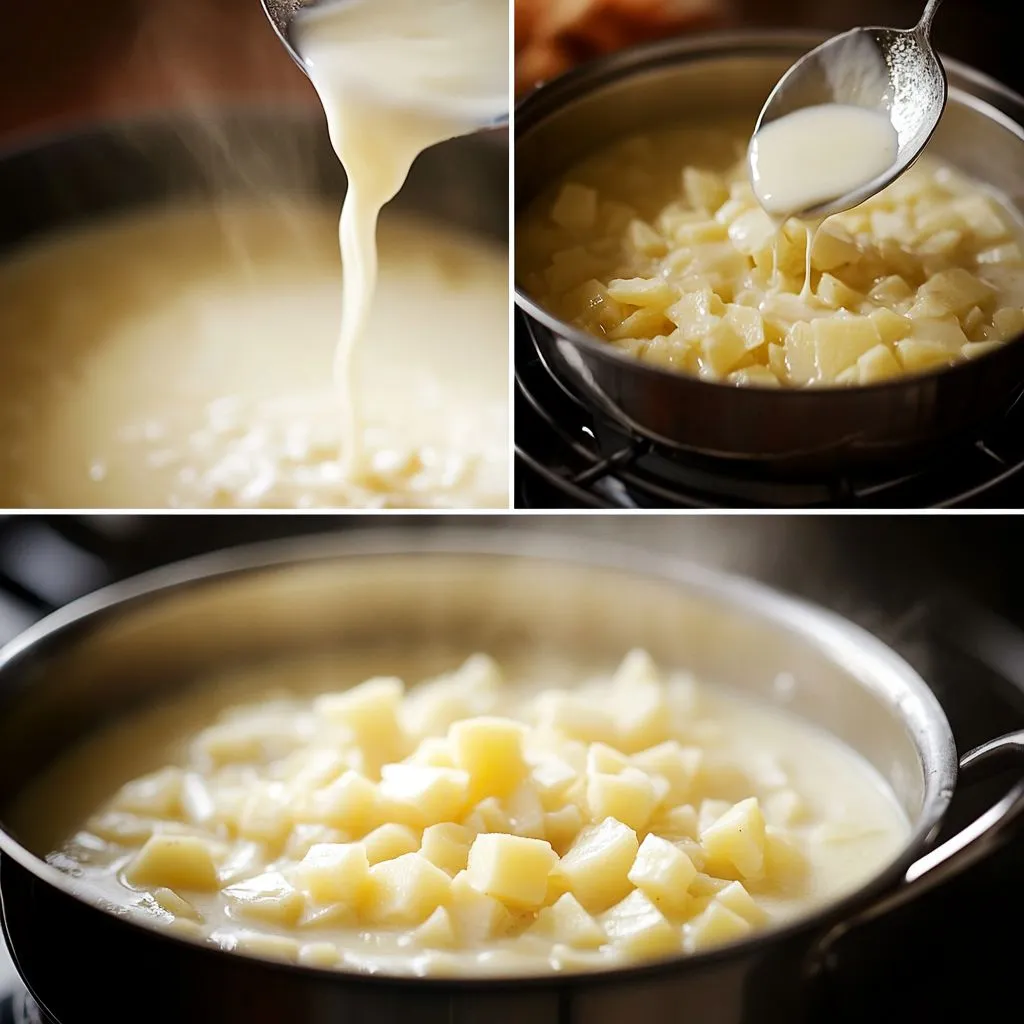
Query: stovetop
point(568, 455)
point(942, 590)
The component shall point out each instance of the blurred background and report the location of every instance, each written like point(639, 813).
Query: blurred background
point(943, 590)
point(64, 60)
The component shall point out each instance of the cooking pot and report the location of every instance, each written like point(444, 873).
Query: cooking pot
point(777, 430)
point(444, 594)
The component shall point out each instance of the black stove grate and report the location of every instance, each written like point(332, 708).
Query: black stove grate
point(569, 455)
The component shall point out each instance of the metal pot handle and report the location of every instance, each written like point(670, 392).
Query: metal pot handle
point(957, 853)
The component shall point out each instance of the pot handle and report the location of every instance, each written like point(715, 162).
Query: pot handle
point(960, 851)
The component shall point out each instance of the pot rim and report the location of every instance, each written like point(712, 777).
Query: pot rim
point(887, 674)
point(536, 106)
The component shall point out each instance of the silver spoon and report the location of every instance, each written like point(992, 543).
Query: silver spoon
point(893, 71)
point(282, 15)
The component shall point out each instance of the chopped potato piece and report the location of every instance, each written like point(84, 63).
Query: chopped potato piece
point(436, 932)
point(371, 711)
point(877, 364)
point(475, 915)
point(419, 794)
point(629, 796)
point(736, 839)
point(334, 873)
point(597, 864)
point(512, 869)
point(739, 901)
point(446, 845)
point(664, 872)
point(490, 750)
point(715, 926)
point(637, 926)
point(389, 841)
point(561, 827)
point(174, 862)
point(405, 891)
point(157, 795)
point(177, 905)
point(840, 341)
point(566, 921)
point(349, 802)
point(269, 897)
point(271, 947)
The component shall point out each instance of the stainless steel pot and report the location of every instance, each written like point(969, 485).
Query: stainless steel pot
point(820, 431)
point(445, 594)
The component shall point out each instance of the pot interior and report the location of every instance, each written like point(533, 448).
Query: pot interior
point(728, 79)
point(536, 613)
point(105, 169)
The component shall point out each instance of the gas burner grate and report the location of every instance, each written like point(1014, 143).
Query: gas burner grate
point(569, 454)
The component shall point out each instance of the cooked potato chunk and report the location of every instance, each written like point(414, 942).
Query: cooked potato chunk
point(566, 921)
point(512, 869)
point(405, 891)
point(715, 926)
point(174, 862)
point(664, 872)
point(597, 864)
point(269, 897)
point(334, 873)
point(446, 845)
point(638, 927)
point(736, 840)
point(490, 750)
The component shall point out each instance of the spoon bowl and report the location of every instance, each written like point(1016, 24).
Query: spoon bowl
point(895, 72)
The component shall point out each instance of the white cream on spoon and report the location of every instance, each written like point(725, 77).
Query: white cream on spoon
point(394, 77)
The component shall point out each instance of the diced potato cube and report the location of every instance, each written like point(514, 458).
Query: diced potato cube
point(476, 916)
point(605, 759)
point(643, 323)
point(270, 947)
point(639, 928)
point(418, 794)
point(491, 751)
point(349, 802)
point(736, 840)
point(693, 315)
point(707, 886)
point(433, 752)
point(715, 926)
point(736, 898)
point(751, 231)
point(1009, 322)
point(371, 712)
point(567, 922)
point(157, 795)
point(877, 364)
point(121, 828)
point(785, 807)
point(174, 862)
point(704, 190)
point(596, 866)
point(575, 208)
point(958, 289)
point(574, 717)
point(891, 326)
point(177, 905)
point(890, 290)
point(436, 932)
point(334, 873)
point(643, 291)
point(675, 763)
point(833, 293)
point(918, 355)
point(488, 816)
point(982, 218)
point(664, 872)
point(524, 811)
point(329, 916)
point(446, 845)
point(946, 331)
point(928, 307)
point(676, 823)
point(405, 891)
point(833, 247)
point(389, 841)
point(269, 897)
point(644, 240)
point(840, 341)
point(266, 815)
point(747, 323)
point(800, 350)
point(512, 869)
point(629, 796)
point(722, 348)
point(561, 827)
point(710, 811)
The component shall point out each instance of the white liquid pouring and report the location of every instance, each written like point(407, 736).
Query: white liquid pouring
point(394, 77)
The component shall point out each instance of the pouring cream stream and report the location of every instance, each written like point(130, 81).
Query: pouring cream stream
point(394, 77)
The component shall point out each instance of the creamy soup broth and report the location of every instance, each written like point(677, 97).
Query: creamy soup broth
point(181, 358)
point(490, 820)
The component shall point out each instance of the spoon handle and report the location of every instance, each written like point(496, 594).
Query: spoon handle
point(924, 26)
